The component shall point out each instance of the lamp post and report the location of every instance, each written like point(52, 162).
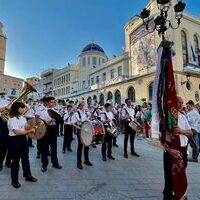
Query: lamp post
point(161, 22)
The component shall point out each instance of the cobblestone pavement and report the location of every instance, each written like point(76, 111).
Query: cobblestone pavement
point(122, 179)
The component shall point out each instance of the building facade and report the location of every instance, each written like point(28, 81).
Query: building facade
point(131, 74)
point(10, 85)
point(65, 81)
point(47, 81)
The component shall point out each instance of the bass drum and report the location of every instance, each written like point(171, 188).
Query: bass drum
point(91, 131)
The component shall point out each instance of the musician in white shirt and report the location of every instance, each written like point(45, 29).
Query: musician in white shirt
point(128, 114)
point(4, 153)
point(184, 131)
point(68, 128)
point(193, 119)
point(38, 109)
point(107, 119)
point(30, 113)
point(18, 144)
point(50, 138)
point(79, 117)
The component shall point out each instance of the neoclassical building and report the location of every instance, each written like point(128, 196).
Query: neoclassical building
point(131, 74)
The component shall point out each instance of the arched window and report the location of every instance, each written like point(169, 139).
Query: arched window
point(131, 93)
point(118, 97)
point(184, 47)
point(95, 98)
point(89, 100)
point(197, 50)
point(109, 96)
point(150, 91)
point(101, 99)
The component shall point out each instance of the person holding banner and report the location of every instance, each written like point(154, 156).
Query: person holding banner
point(184, 131)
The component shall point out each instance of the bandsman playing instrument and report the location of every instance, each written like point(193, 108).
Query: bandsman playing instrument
point(38, 109)
point(107, 120)
point(30, 113)
point(18, 143)
point(80, 116)
point(68, 128)
point(3, 135)
point(50, 137)
point(128, 114)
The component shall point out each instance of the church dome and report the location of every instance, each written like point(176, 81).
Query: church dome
point(93, 47)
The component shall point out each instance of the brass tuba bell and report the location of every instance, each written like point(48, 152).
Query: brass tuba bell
point(25, 91)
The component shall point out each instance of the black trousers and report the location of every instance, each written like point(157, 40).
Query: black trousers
point(18, 148)
point(30, 142)
point(167, 164)
point(80, 150)
point(107, 144)
point(50, 139)
point(129, 131)
point(68, 132)
point(3, 143)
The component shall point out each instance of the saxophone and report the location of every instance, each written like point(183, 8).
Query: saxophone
point(25, 91)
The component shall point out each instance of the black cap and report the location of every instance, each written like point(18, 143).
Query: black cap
point(190, 102)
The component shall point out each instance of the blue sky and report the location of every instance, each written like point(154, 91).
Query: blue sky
point(51, 33)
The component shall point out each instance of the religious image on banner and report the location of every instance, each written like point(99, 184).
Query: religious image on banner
point(143, 49)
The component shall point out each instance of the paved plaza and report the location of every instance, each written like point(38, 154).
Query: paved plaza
point(122, 179)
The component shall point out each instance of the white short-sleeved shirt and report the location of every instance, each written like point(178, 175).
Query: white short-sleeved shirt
point(39, 108)
point(183, 124)
point(15, 123)
point(110, 117)
point(193, 119)
point(30, 113)
point(45, 116)
point(69, 118)
point(131, 112)
point(78, 119)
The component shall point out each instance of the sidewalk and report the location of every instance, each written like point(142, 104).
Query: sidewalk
point(122, 179)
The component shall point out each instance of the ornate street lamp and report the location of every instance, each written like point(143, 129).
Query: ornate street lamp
point(161, 22)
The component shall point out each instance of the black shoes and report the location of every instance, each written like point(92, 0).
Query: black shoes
point(79, 166)
point(192, 160)
point(70, 150)
point(104, 159)
point(38, 156)
point(16, 185)
point(88, 163)
point(135, 154)
point(31, 145)
point(125, 155)
point(115, 145)
point(111, 157)
point(44, 168)
point(57, 166)
point(94, 146)
point(31, 179)
point(63, 151)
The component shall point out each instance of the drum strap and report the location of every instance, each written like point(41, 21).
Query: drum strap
point(107, 119)
point(79, 114)
point(127, 113)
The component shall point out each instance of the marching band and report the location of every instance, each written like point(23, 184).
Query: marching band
point(72, 115)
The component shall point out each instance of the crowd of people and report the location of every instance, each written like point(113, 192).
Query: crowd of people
point(15, 143)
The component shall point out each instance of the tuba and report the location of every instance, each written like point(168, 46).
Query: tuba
point(25, 91)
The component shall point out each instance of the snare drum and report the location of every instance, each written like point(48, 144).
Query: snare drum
point(91, 131)
point(133, 125)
